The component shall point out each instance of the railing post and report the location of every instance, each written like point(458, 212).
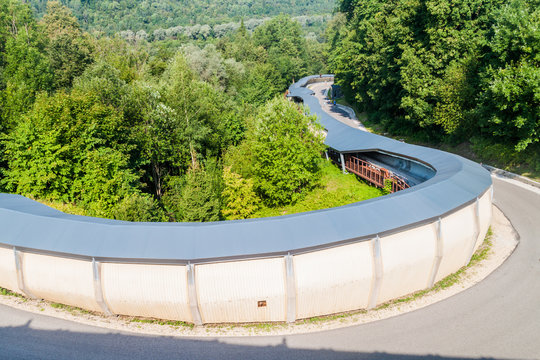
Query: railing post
point(377, 273)
point(438, 253)
point(342, 163)
point(192, 296)
point(291, 289)
point(98, 289)
point(20, 274)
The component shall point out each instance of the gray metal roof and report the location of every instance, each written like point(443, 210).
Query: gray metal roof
point(458, 181)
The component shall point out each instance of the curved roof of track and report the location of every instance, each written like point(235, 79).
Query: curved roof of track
point(27, 224)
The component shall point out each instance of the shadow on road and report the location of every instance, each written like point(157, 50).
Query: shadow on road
point(24, 342)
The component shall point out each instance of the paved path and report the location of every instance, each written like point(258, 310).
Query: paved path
point(498, 318)
point(340, 112)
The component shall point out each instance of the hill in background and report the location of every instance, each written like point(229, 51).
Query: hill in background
point(112, 16)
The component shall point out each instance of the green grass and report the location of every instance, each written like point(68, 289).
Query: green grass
point(163, 322)
point(334, 189)
point(69, 308)
point(7, 292)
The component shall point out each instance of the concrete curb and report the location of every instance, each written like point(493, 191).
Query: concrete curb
point(511, 175)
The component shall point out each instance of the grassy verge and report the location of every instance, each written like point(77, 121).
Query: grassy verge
point(175, 324)
point(7, 292)
point(334, 189)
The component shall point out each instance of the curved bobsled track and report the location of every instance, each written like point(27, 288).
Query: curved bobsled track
point(496, 319)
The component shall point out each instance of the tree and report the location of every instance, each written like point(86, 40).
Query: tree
point(511, 101)
point(24, 68)
point(287, 148)
point(138, 207)
point(239, 197)
point(193, 198)
point(66, 149)
point(282, 38)
point(69, 49)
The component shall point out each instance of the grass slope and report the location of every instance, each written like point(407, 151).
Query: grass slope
point(334, 189)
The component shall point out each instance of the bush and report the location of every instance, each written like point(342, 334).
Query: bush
point(287, 148)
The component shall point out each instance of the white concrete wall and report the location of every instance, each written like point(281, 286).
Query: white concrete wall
point(457, 235)
point(60, 280)
point(407, 259)
point(327, 281)
point(156, 291)
point(8, 271)
point(333, 280)
point(229, 292)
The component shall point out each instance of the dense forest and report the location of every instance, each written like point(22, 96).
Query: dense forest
point(114, 16)
point(176, 126)
point(154, 131)
point(456, 71)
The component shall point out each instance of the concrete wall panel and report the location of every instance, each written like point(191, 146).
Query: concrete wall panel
point(407, 259)
point(457, 235)
point(231, 291)
point(156, 291)
point(60, 280)
point(333, 280)
point(8, 271)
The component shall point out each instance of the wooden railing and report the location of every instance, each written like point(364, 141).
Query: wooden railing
point(374, 174)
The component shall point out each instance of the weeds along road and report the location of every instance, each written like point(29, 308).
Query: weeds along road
point(499, 318)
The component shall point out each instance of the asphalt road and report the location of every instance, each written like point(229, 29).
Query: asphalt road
point(499, 318)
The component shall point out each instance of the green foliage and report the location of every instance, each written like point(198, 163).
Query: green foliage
point(65, 150)
point(239, 197)
point(135, 127)
point(24, 68)
point(511, 98)
point(440, 70)
point(112, 16)
point(387, 189)
point(195, 198)
point(138, 207)
point(282, 39)
point(287, 148)
point(105, 179)
point(69, 50)
point(333, 189)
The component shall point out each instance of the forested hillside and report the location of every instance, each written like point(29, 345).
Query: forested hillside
point(154, 131)
point(114, 16)
point(449, 71)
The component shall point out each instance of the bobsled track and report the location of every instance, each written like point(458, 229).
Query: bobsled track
point(261, 270)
